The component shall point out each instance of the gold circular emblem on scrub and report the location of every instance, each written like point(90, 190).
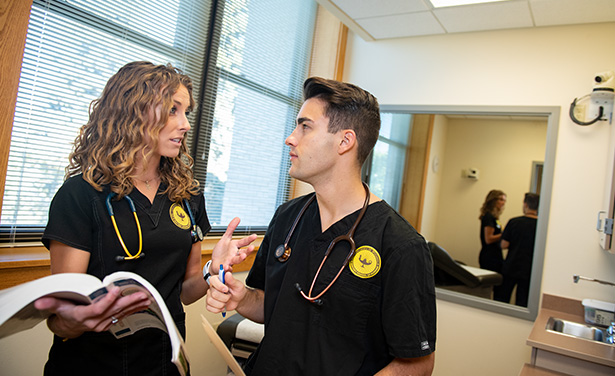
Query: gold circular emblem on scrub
point(366, 262)
point(179, 216)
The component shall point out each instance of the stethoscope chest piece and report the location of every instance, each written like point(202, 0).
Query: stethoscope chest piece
point(282, 253)
point(197, 234)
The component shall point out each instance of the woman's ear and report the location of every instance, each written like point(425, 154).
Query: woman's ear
point(348, 141)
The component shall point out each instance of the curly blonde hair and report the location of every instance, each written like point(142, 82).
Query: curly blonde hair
point(489, 204)
point(122, 121)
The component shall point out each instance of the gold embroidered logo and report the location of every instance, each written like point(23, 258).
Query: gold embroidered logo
point(179, 216)
point(365, 263)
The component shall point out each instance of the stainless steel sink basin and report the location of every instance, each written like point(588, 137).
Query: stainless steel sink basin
point(574, 329)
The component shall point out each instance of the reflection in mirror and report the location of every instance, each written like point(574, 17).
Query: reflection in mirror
point(436, 164)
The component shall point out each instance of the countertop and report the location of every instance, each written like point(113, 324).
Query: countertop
point(530, 370)
point(571, 310)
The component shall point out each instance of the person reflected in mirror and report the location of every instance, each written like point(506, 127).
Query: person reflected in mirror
point(368, 308)
point(519, 237)
point(491, 256)
point(130, 202)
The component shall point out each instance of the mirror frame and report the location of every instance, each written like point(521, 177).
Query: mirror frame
point(552, 113)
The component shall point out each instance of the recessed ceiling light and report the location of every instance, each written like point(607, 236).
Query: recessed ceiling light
point(452, 3)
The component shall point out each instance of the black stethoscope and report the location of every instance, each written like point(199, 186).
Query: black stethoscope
point(283, 251)
point(196, 233)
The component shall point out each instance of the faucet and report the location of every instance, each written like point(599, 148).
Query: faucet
point(576, 278)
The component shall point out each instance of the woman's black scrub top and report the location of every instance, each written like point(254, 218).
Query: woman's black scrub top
point(78, 217)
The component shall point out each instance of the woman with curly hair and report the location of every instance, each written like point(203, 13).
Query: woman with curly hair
point(490, 256)
point(130, 203)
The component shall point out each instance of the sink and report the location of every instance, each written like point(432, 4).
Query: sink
point(578, 330)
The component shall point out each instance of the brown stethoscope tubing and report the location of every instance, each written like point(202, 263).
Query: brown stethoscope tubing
point(282, 253)
point(348, 237)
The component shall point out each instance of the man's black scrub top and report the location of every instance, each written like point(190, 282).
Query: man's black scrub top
point(381, 307)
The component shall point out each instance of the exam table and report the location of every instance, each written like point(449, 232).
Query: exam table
point(241, 336)
point(453, 275)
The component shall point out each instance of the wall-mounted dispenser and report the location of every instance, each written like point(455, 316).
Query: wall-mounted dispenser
point(472, 173)
point(598, 105)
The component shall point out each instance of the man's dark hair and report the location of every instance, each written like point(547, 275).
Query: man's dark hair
point(531, 200)
point(348, 107)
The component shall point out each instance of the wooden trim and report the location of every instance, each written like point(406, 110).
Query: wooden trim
point(293, 189)
point(415, 172)
point(427, 147)
point(340, 57)
point(17, 276)
point(23, 264)
point(14, 19)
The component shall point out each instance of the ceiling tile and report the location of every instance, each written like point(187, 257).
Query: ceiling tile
point(409, 24)
point(373, 8)
point(380, 19)
point(490, 16)
point(564, 12)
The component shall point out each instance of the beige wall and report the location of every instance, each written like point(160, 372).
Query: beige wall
point(503, 152)
point(539, 67)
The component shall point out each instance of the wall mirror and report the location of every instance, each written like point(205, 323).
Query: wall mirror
point(436, 164)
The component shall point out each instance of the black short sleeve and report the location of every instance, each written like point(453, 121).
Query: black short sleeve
point(71, 215)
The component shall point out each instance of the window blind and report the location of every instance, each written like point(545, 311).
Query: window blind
point(247, 60)
point(72, 48)
point(261, 60)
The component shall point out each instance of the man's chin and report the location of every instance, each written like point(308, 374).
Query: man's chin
point(294, 175)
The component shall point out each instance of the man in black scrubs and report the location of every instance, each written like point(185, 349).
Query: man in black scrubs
point(329, 310)
point(519, 237)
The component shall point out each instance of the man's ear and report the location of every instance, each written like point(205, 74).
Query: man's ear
point(348, 141)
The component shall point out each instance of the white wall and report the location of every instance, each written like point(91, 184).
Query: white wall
point(539, 67)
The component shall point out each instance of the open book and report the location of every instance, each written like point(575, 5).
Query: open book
point(17, 312)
